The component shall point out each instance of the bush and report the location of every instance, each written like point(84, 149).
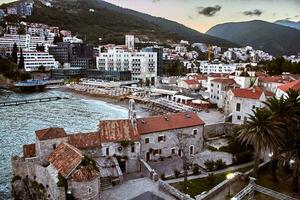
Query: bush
point(176, 173)
point(220, 164)
point(243, 157)
point(209, 165)
point(163, 177)
point(62, 182)
point(196, 169)
point(16, 178)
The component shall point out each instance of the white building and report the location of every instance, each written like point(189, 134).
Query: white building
point(218, 88)
point(208, 68)
point(282, 89)
point(34, 59)
point(143, 65)
point(129, 41)
point(242, 101)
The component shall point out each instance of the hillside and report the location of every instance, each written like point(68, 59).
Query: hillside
point(288, 23)
point(269, 37)
point(111, 22)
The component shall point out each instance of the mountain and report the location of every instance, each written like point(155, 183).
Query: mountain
point(288, 23)
point(111, 22)
point(269, 37)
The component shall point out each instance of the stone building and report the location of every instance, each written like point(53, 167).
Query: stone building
point(82, 165)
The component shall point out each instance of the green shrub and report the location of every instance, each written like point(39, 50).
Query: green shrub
point(220, 164)
point(211, 179)
point(209, 165)
point(16, 178)
point(243, 157)
point(176, 173)
point(196, 169)
point(162, 176)
point(62, 182)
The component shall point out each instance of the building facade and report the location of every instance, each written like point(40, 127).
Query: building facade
point(35, 59)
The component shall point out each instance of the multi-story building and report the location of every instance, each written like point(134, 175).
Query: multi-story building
point(143, 65)
point(241, 102)
point(34, 59)
point(81, 56)
point(160, 61)
point(60, 52)
point(282, 89)
point(129, 41)
point(218, 88)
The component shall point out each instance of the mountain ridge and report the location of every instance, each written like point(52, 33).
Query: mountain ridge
point(269, 37)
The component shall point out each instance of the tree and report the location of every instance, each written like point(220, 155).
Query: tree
point(22, 30)
point(21, 60)
point(147, 82)
point(262, 132)
point(57, 38)
point(183, 148)
point(14, 53)
point(42, 68)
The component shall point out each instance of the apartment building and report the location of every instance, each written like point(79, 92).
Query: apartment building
point(143, 65)
point(35, 59)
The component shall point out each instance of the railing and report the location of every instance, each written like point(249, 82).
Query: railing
point(272, 193)
point(173, 191)
point(29, 101)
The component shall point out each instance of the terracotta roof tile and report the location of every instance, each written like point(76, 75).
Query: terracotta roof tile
point(117, 131)
point(249, 93)
point(168, 122)
point(29, 150)
point(50, 133)
point(191, 82)
point(85, 173)
point(224, 81)
point(84, 140)
point(295, 85)
point(65, 158)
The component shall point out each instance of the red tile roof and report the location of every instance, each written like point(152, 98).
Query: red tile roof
point(29, 150)
point(85, 140)
point(65, 158)
point(50, 133)
point(85, 173)
point(275, 79)
point(191, 82)
point(117, 131)
point(168, 122)
point(295, 85)
point(249, 93)
point(224, 80)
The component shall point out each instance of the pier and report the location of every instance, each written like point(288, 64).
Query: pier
point(30, 101)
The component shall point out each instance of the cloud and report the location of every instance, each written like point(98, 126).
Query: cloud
point(255, 12)
point(208, 11)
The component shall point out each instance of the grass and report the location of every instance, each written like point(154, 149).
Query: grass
point(198, 186)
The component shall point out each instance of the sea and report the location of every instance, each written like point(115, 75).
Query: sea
point(19, 123)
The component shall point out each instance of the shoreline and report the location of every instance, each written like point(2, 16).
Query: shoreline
point(141, 111)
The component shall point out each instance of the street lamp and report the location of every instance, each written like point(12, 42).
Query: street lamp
point(229, 177)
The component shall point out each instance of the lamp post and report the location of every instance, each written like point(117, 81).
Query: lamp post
point(229, 177)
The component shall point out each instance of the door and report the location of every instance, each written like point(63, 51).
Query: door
point(147, 156)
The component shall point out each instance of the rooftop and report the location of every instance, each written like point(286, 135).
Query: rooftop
point(85, 140)
point(117, 131)
point(295, 85)
point(65, 158)
point(224, 80)
point(191, 82)
point(50, 133)
point(168, 122)
point(248, 93)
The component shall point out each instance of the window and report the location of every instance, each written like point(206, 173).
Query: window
point(107, 151)
point(253, 107)
point(157, 151)
point(173, 151)
point(132, 149)
point(90, 190)
point(54, 146)
point(161, 138)
point(147, 140)
point(191, 150)
point(195, 131)
point(238, 107)
point(239, 117)
point(179, 152)
point(245, 118)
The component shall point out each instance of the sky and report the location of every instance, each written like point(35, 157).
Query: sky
point(204, 14)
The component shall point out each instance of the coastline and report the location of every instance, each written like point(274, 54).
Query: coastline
point(141, 110)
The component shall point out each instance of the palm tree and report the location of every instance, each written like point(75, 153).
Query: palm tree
point(262, 132)
point(281, 112)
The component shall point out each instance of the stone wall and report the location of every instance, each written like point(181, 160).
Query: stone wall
point(92, 152)
point(216, 130)
point(173, 191)
point(171, 142)
point(86, 189)
point(24, 167)
point(147, 171)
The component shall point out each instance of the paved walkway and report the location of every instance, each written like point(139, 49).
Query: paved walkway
point(232, 168)
point(132, 189)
